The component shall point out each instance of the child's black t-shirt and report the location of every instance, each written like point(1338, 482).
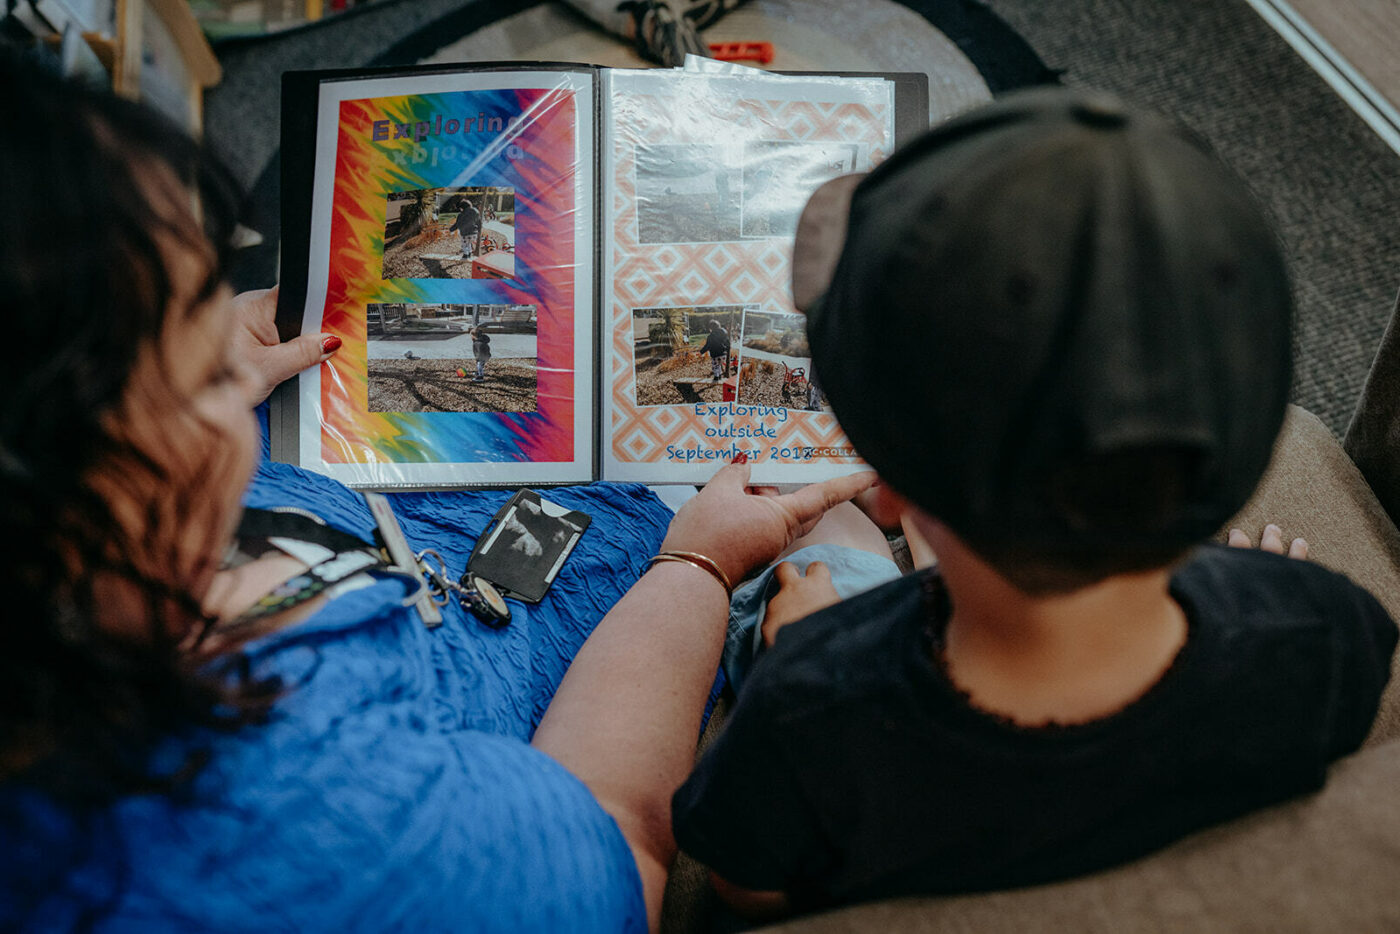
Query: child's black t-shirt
point(852, 768)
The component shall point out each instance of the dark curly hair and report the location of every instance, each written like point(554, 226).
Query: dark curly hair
point(98, 193)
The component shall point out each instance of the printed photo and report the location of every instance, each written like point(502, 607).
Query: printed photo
point(686, 354)
point(687, 194)
point(779, 177)
point(450, 233)
point(451, 358)
point(777, 367)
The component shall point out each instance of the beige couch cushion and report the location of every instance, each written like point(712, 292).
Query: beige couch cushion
point(1330, 862)
point(1323, 863)
point(1312, 489)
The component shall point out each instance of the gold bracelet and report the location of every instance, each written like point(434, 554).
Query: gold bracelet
point(700, 561)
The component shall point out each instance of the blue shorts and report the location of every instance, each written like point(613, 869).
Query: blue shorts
point(853, 571)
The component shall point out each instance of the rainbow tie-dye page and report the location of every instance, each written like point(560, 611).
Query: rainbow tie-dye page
point(559, 273)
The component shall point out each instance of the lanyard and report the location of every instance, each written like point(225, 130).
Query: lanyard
point(335, 556)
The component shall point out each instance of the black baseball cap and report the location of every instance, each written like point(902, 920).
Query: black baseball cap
point(1050, 278)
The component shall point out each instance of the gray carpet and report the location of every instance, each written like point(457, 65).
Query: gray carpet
point(1213, 64)
point(242, 112)
point(1333, 185)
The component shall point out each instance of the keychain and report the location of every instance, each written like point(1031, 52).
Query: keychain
point(475, 595)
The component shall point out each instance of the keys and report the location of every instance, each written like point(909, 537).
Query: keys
point(438, 581)
point(478, 597)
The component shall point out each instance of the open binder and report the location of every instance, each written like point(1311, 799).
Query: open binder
point(555, 273)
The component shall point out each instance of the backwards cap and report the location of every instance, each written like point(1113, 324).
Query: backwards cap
point(1046, 279)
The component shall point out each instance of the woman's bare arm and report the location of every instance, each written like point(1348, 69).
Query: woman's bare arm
point(626, 717)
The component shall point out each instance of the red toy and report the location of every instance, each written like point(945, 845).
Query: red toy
point(794, 380)
point(761, 52)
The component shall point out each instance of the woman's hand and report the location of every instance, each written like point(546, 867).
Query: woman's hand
point(258, 347)
point(742, 530)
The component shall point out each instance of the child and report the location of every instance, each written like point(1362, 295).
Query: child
point(468, 225)
point(717, 346)
point(1059, 331)
point(481, 346)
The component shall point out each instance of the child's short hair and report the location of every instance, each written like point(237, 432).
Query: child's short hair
point(1058, 325)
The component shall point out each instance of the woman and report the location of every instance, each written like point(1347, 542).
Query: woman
point(172, 760)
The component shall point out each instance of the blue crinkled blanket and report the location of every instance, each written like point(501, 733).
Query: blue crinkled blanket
point(522, 664)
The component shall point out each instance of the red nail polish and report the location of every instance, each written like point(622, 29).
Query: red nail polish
point(740, 458)
point(330, 344)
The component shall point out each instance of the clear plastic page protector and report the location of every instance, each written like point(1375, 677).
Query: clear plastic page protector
point(452, 254)
point(709, 169)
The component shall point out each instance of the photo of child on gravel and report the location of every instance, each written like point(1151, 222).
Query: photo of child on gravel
point(777, 364)
point(450, 233)
point(685, 354)
point(481, 347)
point(451, 358)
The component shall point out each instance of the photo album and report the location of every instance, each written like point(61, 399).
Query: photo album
point(559, 273)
